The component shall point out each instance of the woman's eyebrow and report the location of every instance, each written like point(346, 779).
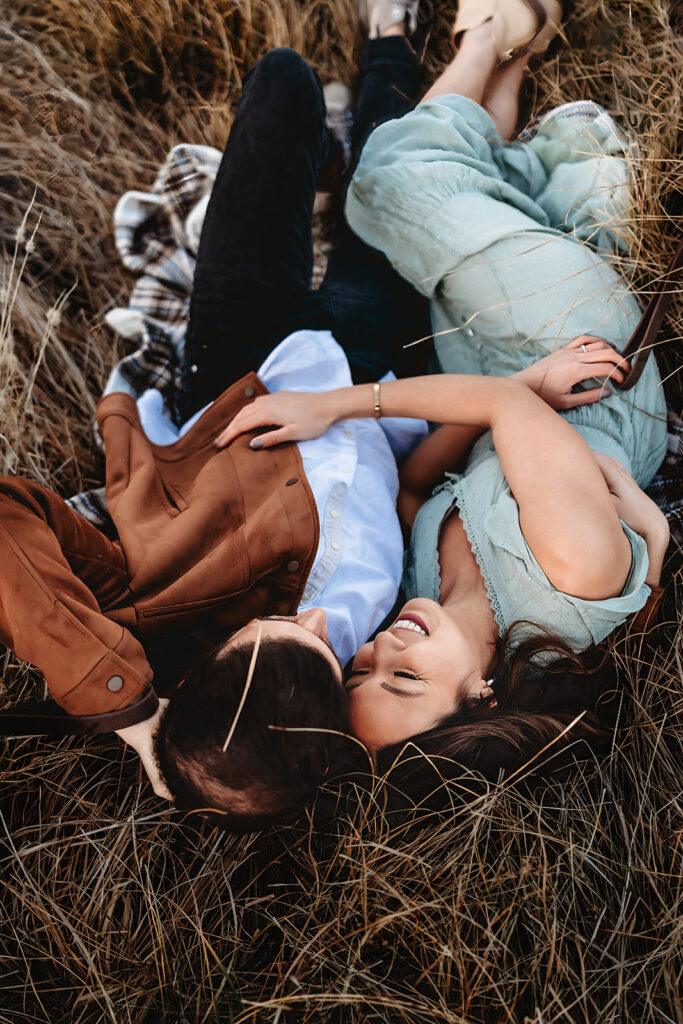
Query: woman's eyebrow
point(388, 687)
point(384, 685)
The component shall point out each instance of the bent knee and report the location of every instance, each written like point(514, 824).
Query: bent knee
point(284, 67)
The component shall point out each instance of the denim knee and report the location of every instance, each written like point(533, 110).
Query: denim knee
point(284, 69)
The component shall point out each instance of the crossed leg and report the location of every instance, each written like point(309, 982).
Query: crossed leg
point(475, 72)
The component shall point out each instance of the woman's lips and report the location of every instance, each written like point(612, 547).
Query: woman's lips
point(411, 617)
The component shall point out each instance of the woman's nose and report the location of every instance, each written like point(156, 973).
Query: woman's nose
point(388, 643)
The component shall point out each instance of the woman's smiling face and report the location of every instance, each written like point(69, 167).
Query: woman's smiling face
point(412, 675)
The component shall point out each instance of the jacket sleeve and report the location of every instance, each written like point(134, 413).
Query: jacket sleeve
point(58, 575)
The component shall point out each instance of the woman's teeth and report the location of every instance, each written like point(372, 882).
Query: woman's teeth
point(409, 624)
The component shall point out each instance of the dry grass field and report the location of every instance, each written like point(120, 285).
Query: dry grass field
point(565, 906)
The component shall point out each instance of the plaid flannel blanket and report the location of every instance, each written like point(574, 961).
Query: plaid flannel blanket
point(157, 235)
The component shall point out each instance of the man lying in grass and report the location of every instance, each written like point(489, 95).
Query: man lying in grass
point(210, 541)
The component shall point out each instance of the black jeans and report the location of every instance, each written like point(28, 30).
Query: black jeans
point(252, 284)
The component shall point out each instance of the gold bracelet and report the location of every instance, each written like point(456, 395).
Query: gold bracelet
point(378, 408)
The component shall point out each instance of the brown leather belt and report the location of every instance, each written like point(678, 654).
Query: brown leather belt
point(643, 338)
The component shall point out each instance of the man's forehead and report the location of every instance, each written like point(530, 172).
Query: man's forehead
point(299, 632)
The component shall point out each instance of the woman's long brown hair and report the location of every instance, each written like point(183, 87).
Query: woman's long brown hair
point(553, 708)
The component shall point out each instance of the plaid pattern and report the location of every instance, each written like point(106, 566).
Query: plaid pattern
point(667, 487)
point(157, 236)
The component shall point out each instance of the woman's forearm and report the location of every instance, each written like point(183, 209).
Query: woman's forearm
point(461, 399)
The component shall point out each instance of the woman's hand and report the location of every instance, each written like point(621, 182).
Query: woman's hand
point(295, 415)
point(638, 511)
point(553, 377)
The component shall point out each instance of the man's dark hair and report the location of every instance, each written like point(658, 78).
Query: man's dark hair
point(281, 747)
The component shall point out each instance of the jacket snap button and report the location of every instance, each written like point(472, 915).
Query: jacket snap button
point(292, 566)
point(250, 392)
point(115, 684)
point(294, 480)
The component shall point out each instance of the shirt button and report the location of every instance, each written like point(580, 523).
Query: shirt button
point(334, 546)
point(292, 566)
point(250, 392)
point(294, 480)
point(346, 468)
point(115, 684)
point(334, 513)
point(307, 595)
point(193, 368)
point(348, 433)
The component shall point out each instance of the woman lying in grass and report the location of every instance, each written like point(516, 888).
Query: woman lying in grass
point(545, 524)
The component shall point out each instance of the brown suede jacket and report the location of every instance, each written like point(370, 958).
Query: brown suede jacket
point(207, 540)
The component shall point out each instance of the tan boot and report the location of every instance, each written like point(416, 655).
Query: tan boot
point(518, 25)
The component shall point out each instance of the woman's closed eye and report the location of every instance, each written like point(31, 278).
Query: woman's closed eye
point(357, 674)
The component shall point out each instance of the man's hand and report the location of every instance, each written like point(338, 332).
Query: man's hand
point(140, 737)
point(638, 511)
point(553, 377)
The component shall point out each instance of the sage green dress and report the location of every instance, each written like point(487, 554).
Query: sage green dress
point(511, 242)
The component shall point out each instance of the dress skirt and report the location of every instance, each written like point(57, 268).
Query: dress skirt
point(513, 243)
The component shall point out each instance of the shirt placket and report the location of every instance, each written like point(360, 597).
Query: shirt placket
point(332, 521)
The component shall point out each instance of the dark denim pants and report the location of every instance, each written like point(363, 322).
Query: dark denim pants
point(252, 284)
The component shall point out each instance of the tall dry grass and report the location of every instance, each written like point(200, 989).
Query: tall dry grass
point(562, 906)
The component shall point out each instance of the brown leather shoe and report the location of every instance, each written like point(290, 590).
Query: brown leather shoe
point(519, 26)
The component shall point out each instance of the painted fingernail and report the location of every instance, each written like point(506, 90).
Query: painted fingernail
point(256, 442)
point(606, 392)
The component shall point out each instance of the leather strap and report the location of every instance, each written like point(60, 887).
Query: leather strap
point(643, 338)
point(540, 12)
point(47, 718)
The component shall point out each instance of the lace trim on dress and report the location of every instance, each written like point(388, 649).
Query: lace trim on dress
point(458, 501)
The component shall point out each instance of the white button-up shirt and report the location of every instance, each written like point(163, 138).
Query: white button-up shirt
point(353, 476)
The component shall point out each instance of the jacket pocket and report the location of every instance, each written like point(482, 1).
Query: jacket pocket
point(172, 499)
